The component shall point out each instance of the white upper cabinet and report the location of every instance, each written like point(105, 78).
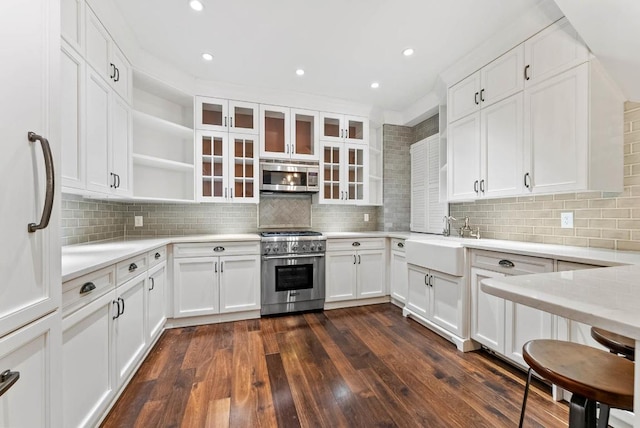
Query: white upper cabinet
point(105, 57)
point(339, 127)
point(495, 81)
point(72, 23)
point(343, 174)
point(289, 133)
point(463, 158)
point(275, 131)
point(72, 80)
point(217, 114)
point(552, 51)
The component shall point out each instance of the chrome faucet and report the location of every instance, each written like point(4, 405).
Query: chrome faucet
point(447, 225)
point(467, 228)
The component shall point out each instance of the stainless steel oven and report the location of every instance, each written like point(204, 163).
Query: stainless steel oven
point(292, 273)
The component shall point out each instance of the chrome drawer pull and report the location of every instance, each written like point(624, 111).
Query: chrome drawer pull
point(506, 263)
point(87, 288)
point(355, 244)
point(7, 379)
point(218, 249)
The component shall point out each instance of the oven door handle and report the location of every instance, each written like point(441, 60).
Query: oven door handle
point(293, 256)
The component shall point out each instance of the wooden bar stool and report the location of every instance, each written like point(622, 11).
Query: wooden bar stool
point(617, 343)
point(592, 375)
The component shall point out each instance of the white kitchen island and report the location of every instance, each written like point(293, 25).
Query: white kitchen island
point(607, 297)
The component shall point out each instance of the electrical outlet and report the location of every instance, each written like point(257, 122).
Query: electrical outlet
point(138, 221)
point(566, 220)
point(366, 217)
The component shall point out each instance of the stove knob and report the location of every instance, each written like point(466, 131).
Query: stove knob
point(312, 247)
point(267, 249)
point(294, 248)
point(319, 248)
point(276, 249)
point(304, 248)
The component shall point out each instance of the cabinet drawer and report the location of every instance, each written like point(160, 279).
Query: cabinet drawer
point(216, 249)
point(80, 291)
point(157, 256)
point(355, 244)
point(563, 266)
point(397, 244)
point(510, 264)
point(127, 269)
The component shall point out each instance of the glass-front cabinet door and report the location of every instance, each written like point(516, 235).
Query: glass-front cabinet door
point(212, 165)
point(212, 114)
point(243, 117)
point(331, 174)
point(275, 132)
point(356, 174)
point(217, 114)
point(244, 168)
point(304, 135)
point(339, 127)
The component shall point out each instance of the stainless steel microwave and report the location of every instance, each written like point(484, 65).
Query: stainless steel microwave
point(289, 177)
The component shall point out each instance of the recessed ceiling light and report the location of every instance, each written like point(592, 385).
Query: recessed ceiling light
point(407, 52)
point(196, 5)
point(375, 85)
point(300, 72)
point(207, 56)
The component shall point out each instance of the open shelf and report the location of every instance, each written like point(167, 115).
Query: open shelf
point(153, 161)
point(162, 125)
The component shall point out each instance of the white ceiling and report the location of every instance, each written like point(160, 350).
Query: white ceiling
point(343, 45)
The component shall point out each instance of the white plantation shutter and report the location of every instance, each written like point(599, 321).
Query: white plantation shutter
point(427, 210)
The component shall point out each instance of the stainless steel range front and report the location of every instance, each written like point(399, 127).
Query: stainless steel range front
point(292, 272)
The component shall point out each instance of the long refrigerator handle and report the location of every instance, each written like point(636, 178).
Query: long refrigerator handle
point(48, 164)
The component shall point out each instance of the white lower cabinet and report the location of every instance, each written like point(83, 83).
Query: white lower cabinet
point(500, 325)
point(88, 363)
point(129, 325)
point(358, 274)
point(398, 274)
point(156, 292)
point(209, 285)
point(32, 352)
point(436, 297)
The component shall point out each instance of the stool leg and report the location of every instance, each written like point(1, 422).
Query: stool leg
point(524, 400)
point(582, 412)
point(603, 419)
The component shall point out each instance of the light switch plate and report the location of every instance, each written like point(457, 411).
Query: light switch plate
point(138, 221)
point(566, 220)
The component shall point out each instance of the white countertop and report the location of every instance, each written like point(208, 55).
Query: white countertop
point(579, 295)
point(78, 260)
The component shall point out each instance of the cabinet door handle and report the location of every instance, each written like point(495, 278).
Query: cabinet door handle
point(231, 192)
point(482, 185)
point(215, 267)
point(117, 303)
point(113, 180)
point(122, 312)
point(475, 97)
point(527, 179)
point(87, 288)
point(7, 379)
point(526, 74)
point(346, 133)
point(117, 181)
point(431, 281)
point(225, 121)
point(230, 121)
point(113, 70)
point(354, 259)
point(157, 256)
point(475, 186)
point(117, 75)
point(133, 267)
point(482, 95)
point(50, 174)
point(506, 263)
point(426, 281)
point(359, 260)
point(153, 284)
point(221, 267)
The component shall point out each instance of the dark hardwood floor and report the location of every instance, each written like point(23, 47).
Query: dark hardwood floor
point(358, 367)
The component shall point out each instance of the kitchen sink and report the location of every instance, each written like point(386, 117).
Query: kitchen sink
point(440, 255)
